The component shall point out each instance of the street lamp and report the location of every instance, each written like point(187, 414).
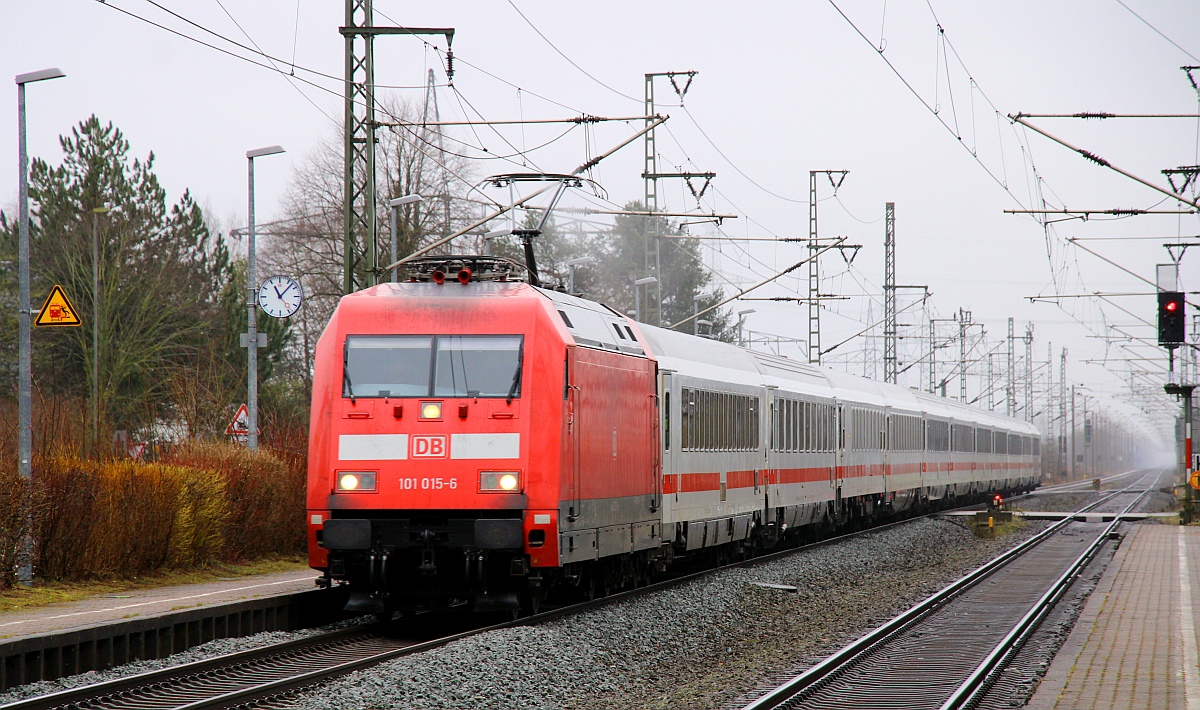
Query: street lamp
point(571, 264)
point(395, 206)
point(252, 307)
point(637, 295)
point(24, 357)
point(742, 319)
point(96, 212)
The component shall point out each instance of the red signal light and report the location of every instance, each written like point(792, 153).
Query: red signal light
point(1171, 306)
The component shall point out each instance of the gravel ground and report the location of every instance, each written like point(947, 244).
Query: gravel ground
point(694, 646)
point(218, 647)
point(1053, 502)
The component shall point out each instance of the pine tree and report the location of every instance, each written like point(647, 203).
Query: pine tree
point(165, 279)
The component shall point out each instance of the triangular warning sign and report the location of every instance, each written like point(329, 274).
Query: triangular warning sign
point(240, 426)
point(57, 310)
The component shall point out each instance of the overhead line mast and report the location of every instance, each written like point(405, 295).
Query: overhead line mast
point(814, 271)
point(360, 228)
point(651, 176)
point(889, 293)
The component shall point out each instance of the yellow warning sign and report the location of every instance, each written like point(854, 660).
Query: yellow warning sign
point(1195, 480)
point(57, 310)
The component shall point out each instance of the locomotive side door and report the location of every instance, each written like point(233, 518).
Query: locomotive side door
point(574, 424)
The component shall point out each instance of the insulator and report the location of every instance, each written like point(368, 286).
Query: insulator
point(450, 64)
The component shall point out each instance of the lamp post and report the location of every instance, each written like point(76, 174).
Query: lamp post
point(742, 319)
point(571, 264)
point(252, 307)
point(24, 357)
point(394, 207)
point(637, 295)
point(96, 212)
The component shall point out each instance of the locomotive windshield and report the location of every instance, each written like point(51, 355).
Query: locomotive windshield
point(432, 366)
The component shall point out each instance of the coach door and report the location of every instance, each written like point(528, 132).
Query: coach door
point(774, 443)
point(668, 409)
point(839, 447)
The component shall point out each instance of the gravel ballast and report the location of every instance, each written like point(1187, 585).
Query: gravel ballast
point(697, 645)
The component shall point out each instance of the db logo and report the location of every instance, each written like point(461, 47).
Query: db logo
point(429, 447)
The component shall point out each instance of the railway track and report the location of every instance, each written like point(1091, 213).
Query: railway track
point(270, 676)
point(945, 652)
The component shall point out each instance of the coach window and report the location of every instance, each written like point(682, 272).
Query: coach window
point(667, 420)
point(791, 425)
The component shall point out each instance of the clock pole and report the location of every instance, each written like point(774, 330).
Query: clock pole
point(252, 308)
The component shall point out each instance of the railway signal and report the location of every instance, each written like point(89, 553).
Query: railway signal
point(1171, 307)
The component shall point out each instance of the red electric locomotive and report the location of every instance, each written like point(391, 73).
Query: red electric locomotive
point(445, 430)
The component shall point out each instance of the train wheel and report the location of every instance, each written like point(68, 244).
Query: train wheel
point(532, 599)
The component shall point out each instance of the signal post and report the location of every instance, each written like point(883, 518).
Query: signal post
point(1171, 332)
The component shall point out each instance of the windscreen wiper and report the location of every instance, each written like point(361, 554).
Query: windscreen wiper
point(516, 381)
point(346, 380)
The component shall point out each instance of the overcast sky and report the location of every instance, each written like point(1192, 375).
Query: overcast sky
point(782, 89)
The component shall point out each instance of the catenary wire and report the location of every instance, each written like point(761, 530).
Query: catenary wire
point(564, 56)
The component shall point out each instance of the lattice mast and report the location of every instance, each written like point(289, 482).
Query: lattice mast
point(650, 175)
point(1011, 410)
point(358, 210)
point(360, 223)
point(889, 293)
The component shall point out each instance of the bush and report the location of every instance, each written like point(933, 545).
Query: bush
point(16, 510)
point(264, 498)
point(195, 504)
point(203, 503)
point(125, 518)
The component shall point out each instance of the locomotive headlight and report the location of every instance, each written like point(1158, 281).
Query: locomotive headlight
point(499, 481)
point(431, 410)
point(356, 481)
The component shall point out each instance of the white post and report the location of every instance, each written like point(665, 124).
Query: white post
point(252, 307)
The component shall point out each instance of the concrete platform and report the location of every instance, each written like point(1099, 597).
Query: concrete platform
point(149, 602)
point(1135, 643)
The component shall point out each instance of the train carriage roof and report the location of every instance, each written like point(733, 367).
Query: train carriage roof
point(724, 362)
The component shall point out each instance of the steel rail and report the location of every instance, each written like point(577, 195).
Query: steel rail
point(832, 665)
point(127, 687)
point(125, 684)
point(981, 679)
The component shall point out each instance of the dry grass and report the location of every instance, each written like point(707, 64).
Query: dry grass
point(54, 592)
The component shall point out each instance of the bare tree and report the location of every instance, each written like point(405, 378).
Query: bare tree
point(307, 242)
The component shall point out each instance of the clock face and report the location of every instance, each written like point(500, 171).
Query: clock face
point(280, 296)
